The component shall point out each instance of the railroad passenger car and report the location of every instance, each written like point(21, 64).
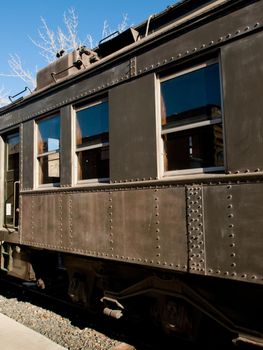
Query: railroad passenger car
point(136, 168)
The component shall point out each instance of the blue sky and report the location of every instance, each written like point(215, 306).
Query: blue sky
point(21, 19)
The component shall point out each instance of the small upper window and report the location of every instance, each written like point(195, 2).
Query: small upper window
point(92, 142)
point(192, 120)
point(48, 145)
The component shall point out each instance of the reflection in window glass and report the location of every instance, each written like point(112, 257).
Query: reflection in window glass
point(48, 150)
point(191, 97)
point(92, 125)
point(48, 134)
point(94, 163)
point(191, 120)
point(92, 142)
point(12, 144)
point(194, 148)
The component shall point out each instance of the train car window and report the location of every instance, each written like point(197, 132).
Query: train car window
point(92, 142)
point(48, 145)
point(191, 118)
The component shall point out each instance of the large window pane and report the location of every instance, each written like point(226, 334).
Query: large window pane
point(194, 148)
point(48, 150)
point(49, 134)
point(94, 163)
point(92, 125)
point(191, 97)
point(49, 168)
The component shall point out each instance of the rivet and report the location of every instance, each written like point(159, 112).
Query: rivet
point(220, 39)
point(233, 255)
point(228, 36)
point(233, 264)
point(231, 235)
point(211, 42)
point(246, 29)
point(237, 32)
point(254, 277)
point(244, 275)
point(179, 55)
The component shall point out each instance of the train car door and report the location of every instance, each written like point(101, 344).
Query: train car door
point(11, 192)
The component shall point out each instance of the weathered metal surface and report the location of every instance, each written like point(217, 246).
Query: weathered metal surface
point(132, 116)
point(233, 226)
point(66, 170)
point(242, 69)
point(195, 225)
point(89, 222)
point(215, 34)
point(201, 39)
point(27, 155)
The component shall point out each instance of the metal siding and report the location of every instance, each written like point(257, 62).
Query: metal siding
point(215, 33)
point(148, 227)
point(66, 146)
point(133, 144)
point(28, 155)
point(89, 222)
point(233, 226)
point(172, 227)
point(242, 68)
point(72, 91)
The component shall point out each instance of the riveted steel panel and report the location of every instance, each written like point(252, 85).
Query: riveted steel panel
point(242, 68)
point(133, 145)
point(66, 146)
point(42, 220)
point(184, 44)
point(148, 227)
point(233, 231)
point(89, 222)
point(27, 156)
point(72, 91)
point(171, 205)
point(195, 226)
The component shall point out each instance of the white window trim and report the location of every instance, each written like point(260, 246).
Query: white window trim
point(162, 131)
point(191, 126)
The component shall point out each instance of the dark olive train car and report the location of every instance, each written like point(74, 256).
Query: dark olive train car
point(137, 168)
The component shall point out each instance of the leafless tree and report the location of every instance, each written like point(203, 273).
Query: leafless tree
point(52, 41)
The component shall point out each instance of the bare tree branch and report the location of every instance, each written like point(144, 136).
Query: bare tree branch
point(3, 97)
point(50, 42)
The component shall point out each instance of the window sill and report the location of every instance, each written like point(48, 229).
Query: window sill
point(196, 171)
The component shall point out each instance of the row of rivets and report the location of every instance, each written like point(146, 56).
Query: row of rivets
point(111, 230)
point(195, 227)
point(61, 216)
point(133, 69)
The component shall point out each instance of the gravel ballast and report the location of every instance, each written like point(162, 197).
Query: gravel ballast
point(58, 328)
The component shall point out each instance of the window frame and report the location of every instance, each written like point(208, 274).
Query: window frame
point(174, 129)
point(41, 155)
point(76, 149)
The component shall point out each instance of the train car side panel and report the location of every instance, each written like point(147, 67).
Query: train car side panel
point(133, 135)
point(242, 70)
